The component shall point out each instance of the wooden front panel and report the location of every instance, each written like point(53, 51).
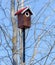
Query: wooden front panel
point(27, 21)
point(23, 21)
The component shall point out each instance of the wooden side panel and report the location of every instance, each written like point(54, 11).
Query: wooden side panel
point(20, 21)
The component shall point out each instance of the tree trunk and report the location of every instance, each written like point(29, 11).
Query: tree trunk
point(14, 39)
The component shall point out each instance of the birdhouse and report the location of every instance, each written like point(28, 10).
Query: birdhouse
point(24, 18)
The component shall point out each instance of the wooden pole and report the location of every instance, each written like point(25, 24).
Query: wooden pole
point(23, 45)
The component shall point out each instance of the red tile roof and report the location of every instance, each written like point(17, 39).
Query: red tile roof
point(21, 10)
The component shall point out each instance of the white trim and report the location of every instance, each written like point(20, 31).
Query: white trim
point(24, 10)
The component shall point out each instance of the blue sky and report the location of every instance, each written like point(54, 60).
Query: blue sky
point(43, 25)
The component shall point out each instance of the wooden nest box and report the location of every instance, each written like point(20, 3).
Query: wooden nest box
point(24, 18)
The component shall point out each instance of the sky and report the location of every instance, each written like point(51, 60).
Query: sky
point(41, 33)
